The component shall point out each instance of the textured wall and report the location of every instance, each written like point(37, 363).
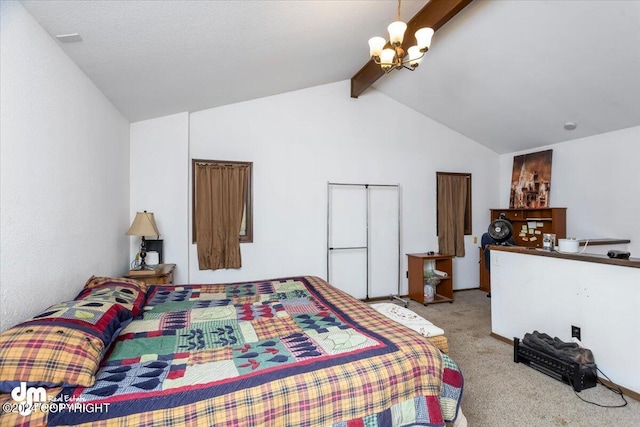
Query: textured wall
point(159, 175)
point(596, 179)
point(300, 140)
point(64, 184)
point(549, 295)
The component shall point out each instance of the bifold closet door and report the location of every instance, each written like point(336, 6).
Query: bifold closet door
point(363, 230)
point(383, 241)
point(348, 229)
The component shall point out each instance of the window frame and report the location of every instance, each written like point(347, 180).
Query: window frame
point(247, 237)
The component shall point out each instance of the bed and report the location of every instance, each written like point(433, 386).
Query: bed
point(291, 351)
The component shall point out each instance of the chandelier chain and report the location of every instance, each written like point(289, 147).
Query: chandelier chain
point(399, 2)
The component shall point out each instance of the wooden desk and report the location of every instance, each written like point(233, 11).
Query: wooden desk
point(163, 277)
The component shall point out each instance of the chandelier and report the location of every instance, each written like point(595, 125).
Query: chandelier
point(393, 57)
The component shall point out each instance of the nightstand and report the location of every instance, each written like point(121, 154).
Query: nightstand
point(163, 277)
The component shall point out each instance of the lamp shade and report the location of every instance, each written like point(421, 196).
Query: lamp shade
point(143, 225)
point(415, 55)
point(396, 32)
point(376, 44)
point(423, 37)
point(387, 57)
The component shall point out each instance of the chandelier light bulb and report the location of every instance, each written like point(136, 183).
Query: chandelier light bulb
point(415, 56)
point(423, 37)
point(387, 58)
point(396, 32)
point(376, 44)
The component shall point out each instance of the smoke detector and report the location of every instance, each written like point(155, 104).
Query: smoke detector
point(69, 38)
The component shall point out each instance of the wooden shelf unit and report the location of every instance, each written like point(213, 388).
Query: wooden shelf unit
point(485, 277)
point(444, 290)
point(551, 220)
point(548, 220)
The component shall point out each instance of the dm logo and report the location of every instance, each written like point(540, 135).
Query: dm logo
point(27, 396)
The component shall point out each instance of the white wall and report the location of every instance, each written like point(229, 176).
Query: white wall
point(160, 171)
point(63, 173)
point(597, 180)
point(299, 141)
point(549, 295)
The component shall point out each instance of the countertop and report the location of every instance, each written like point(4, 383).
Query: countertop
point(601, 259)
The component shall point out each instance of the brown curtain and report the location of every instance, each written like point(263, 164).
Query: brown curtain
point(452, 199)
point(220, 192)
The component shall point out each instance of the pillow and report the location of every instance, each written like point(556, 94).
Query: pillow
point(102, 319)
point(408, 318)
point(127, 295)
point(98, 281)
point(48, 355)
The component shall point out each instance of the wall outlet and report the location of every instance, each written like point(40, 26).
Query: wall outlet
point(575, 332)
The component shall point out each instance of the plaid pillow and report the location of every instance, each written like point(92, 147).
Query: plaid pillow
point(48, 356)
point(98, 281)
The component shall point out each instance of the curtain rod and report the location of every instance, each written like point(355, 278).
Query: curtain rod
point(365, 185)
point(213, 163)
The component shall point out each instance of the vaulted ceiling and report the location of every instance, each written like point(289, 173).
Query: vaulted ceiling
point(507, 74)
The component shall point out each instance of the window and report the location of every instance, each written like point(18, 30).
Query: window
point(453, 211)
point(246, 228)
point(467, 210)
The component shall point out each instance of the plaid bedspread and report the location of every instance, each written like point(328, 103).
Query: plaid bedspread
point(285, 352)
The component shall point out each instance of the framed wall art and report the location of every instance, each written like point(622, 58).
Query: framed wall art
point(531, 180)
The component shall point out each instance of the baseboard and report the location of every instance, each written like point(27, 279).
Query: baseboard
point(501, 338)
point(630, 393)
point(373, 299)
point(467, 289)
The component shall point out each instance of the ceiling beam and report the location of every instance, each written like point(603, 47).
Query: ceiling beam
point(434, 14)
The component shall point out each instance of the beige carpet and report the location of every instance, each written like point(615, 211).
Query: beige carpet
point(499, 392)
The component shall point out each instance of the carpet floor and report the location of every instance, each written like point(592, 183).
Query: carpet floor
point(499, 392)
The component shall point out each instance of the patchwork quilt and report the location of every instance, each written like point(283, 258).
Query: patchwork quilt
point(285, 352)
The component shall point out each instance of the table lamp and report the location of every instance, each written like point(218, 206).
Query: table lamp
point(143, 225)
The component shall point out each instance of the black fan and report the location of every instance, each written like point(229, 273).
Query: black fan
point(500, 230)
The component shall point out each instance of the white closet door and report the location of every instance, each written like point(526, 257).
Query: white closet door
point(383, 241)
point(348, 229)
point(348, 272)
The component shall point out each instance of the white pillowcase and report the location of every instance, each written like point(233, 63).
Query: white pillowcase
point(408, 318)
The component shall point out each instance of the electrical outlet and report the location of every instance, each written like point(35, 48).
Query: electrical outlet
point(575, 332)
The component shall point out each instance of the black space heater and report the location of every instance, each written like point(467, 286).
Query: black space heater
point(579, 376)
